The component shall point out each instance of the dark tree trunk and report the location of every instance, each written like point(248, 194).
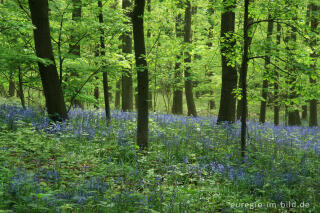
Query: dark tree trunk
point(21, 93)
point(105, 74)
point(264, 92)
point(244, 69)
point(188, 82)
point(304, 114)
point(313, 119)
point(49, 76)
point(293, 115)
point(177, 101)
point(118, 95)
point(96, 96)
point(142, 73)
point(11, 86)
point(127, 92)
point(276, 109)
point(229, 74)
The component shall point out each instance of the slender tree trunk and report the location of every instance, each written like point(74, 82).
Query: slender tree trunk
point(177, 101)
point(142, 72)
point(21, 93)
point(293, 115)
point(188, 82)
point(276, 108)
point(210, 73)
point(127, 92)
point(118, 94)
point(304, 114)
point(49, 76)
point(313, 119)
point(11, 86)
point(244, 70)
point(74, 46)
point(264, 92)
point(105, 74)
point(229, 73)
point(149, 37)
point(96, 94)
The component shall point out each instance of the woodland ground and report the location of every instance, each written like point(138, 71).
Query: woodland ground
point(86, 165)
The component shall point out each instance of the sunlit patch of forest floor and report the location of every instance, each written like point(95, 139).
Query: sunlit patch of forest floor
point(193, 165)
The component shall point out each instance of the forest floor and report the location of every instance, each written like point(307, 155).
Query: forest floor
point(193, 165)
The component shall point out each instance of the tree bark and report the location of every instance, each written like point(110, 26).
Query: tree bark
point(313, 119)
point(49, 76)
point(142, 72)
point(265, 83)
point(105, 74)
point(127, 92)
point(229, 74)
point(188, 82)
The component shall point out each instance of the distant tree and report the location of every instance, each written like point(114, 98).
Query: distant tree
point(291, 38)
point(265, 81)
point(227, 107)
point(104, 74)
point(177, 101)
point(142, 72)
point(50, 81)
point(276, 108)
point(188, 81)
point(127, 92)
point(74, 46)
point(244, 70)
point(313, 119)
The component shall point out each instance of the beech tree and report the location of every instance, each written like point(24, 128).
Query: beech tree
point(55, 104)
point(142, 72)
point(188, 81)
point(227, 107)
point(126, 82)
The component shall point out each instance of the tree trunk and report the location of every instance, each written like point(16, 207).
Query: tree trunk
point(142, 73)
point(11, 86)
point(105, 74)
point(149, 36)
point(21, 93)
point(313, 119)
point(244, 70)
point(264, 92)
point(210, 73)
point(127, 92)
point(49, 76)
point(229, 74)
point(276, 109)
point(118, 94)
point(177, 101)
point(74, 46)
point(304, 114)
point(188, 82)
point(293, 115)
point(96, 96)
